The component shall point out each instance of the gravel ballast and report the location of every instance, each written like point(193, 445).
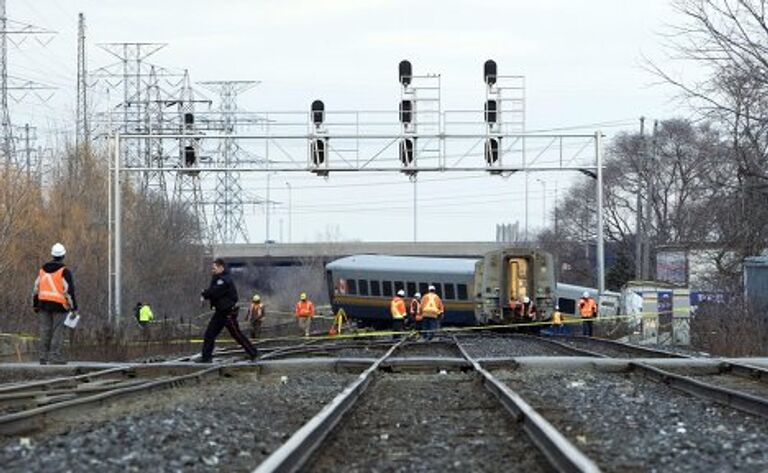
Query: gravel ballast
point(627, 423)
point(226, 426)
point(512, 346)
point(420, 423)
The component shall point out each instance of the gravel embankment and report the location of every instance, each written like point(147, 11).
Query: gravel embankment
point(226, 426)
point(627, 423)
point(421, 423)
point(489, 347)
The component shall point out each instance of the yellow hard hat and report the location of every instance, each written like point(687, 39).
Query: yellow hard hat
point(303, 296)
point(256, 298)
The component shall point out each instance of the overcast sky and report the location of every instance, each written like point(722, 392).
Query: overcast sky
point(583, 63)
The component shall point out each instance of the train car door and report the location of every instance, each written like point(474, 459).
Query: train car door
point(518, 279)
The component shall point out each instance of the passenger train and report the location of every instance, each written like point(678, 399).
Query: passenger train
point(474, 291)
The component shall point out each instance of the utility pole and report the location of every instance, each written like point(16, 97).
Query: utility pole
point(82, 138)
point(27, 153)
point(649, 206)
point(639, 204)
point(415, 210)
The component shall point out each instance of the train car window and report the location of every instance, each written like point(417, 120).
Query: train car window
point(399, 285)
point(410, 289)
point(351, 287)
point(423, 288)
point(438, 288)
point(375, 288)
point(362, 285)
point(462, 291)
point(450, 292)
point(567, 306)
point(387, 288)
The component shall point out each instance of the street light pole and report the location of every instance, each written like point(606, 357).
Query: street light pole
point(266, 210)
point(290, 213)
point(543, 203)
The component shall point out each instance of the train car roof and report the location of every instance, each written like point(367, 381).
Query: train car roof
point(418, 264)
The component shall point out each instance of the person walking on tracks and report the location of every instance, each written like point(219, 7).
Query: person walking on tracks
point(53, 297)
point(222, 295)
point(305, 310)
point(588, 311)
point(256, 316)
point(398, 312)
point(431, 311)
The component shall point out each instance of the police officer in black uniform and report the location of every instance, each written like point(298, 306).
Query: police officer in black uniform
point(222, 295)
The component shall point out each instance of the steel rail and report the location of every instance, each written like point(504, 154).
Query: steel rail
point(629, 347)
point(730, 397)
point(45, 384)
point(31, 419)
point(292, 455)
point(559, 451)
point(742, 401)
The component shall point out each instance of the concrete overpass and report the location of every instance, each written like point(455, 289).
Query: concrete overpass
point(291, 254)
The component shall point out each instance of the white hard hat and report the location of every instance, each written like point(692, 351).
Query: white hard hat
point(526, 300)
point(58, 250)
point(417, 295)
point(585, 294)
point(432, 288)
point(401, 293)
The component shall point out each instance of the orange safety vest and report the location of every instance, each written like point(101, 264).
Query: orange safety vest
point(397, 308)
point(587, 308)
point(51, 287)
point(416, 309)
point(305, 309)
point(431, 305)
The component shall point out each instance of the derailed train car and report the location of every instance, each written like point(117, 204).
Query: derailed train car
point(474, 291)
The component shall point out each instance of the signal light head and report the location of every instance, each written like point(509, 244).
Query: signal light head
point(405, 72)
point(489, 72)
point(318, 112)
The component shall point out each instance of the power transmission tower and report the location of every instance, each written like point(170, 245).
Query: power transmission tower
point(130, 72)
point(82, 134)
point(153, 123)
point(21, 31)
point(229, 225)
point(187, 185)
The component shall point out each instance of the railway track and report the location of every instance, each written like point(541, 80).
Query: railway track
point(743, 387)
point(392, 414)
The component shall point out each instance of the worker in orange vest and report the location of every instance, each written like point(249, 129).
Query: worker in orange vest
point(415, 311)
point(398, 312)
point(588, 311)
point(431, 311)
point(255, 316)
point(53, 298)
point(305, 310)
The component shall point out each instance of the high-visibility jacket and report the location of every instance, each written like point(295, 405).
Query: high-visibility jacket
point(145, 314)
point(305, 309)
point(52, 287)
point(397, 308)
point(256, 311)
point(415, 309)
point(587, 307)
point(557, 318)
point(431, 305)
